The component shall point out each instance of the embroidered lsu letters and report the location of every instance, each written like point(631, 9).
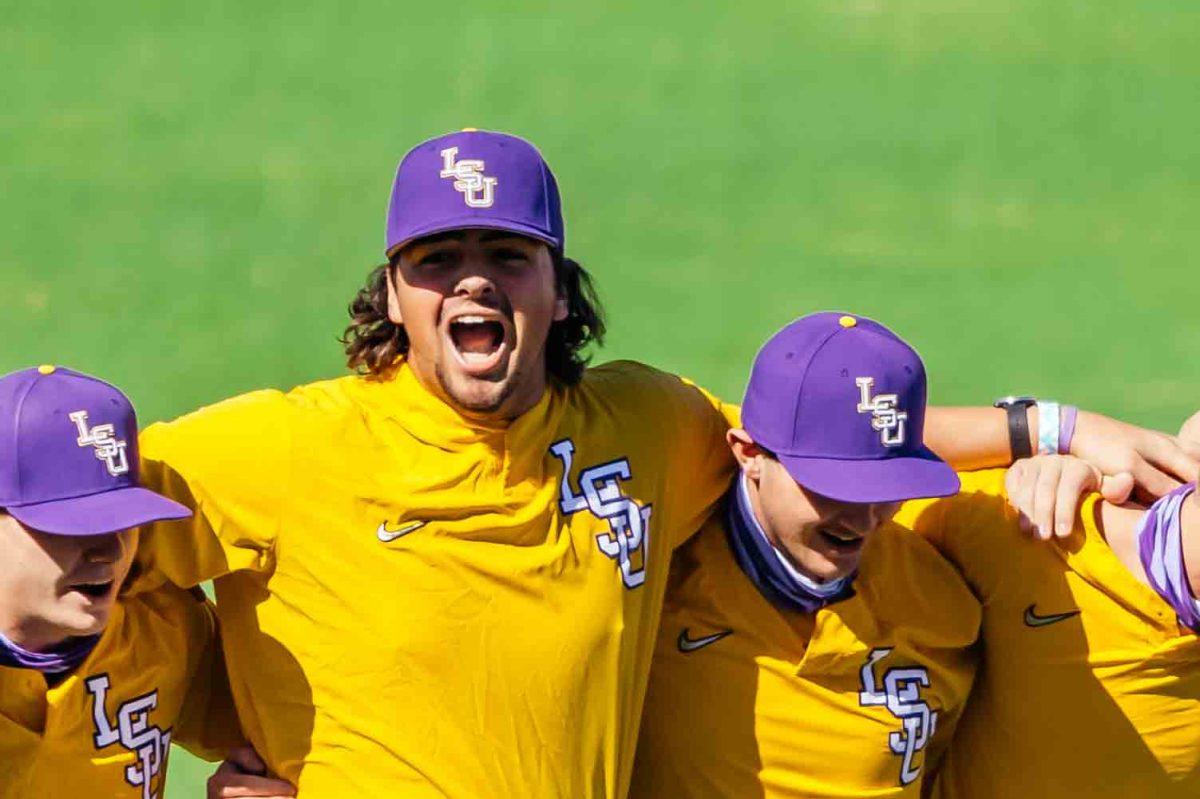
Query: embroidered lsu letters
point(476, 188)
point(600, 493)
point(885, 417)
point(901, 695)
point(108, 449)
point(132, 731)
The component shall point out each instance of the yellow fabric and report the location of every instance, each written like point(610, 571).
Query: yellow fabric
point(160, 645)
point(493, 650)
point(1105, 703)
point(774, 709)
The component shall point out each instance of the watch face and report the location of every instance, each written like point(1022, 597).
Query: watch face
point(1011, 401)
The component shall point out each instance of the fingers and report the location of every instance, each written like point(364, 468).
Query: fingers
point(1170, 456)
point(243, 775)
point(1189, 433)
point(233, 785)
point(246, 760)
point(1019, 490)
point(1044, 493)
point(1077, 479)
point(1152, 482)
point(1117, 489)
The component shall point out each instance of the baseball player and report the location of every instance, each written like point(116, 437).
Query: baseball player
point(443, 577)
point(1090, 679)
point(94, 686)
point(809, 647)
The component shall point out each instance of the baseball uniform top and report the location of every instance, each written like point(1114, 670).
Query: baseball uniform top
point(416, 603)
point(859, 699)
point(1088, 686)
point(154, 678)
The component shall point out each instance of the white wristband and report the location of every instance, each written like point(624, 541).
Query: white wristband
point(1048, 422)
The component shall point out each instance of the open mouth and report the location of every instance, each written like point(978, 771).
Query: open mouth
point(94, 590)
point(480, 342)
point(842, 540)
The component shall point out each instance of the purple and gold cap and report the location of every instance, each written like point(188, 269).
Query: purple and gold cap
point(68, 456)
point(840, 401)
point(474, 179)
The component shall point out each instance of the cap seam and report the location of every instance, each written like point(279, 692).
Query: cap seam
point(16, 432)
point(804, 378)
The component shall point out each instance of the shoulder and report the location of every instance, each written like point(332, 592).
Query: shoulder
point(910, 585)
point(179, 619)
point(650, 390)
point(980, 505)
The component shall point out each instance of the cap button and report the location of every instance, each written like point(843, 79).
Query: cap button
point(46, 369)
point(470, 130)
point(847, 321)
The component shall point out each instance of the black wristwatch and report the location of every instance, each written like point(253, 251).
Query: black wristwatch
point(1018, 424)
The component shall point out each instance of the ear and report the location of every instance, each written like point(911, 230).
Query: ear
point(748, 454)
point(561, 308)
point(393, 301)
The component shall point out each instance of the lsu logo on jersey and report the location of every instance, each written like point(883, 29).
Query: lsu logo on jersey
point(476, 188)
point(900, 692)
point(131, 729)
point(885, 417)
point(108, 449)
point(628, 536)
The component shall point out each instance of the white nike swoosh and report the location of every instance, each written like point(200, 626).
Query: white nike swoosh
point(692, 644)
point(385, 535)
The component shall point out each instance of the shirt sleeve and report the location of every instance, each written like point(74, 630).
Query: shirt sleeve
point(207, 725)
point(700, 465)
point(974, 529)
point(230, 464)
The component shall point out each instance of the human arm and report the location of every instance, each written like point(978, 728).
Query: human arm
point(975, 437)
point(229, 463)
point(244, 774)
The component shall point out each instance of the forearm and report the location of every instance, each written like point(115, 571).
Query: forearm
point(973, 437)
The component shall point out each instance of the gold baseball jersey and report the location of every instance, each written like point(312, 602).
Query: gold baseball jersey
point(1088, 686)
point(154, 678)
point(415, 603)
point(858, 700)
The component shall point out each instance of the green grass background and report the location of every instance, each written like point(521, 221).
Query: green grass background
point(193, 191)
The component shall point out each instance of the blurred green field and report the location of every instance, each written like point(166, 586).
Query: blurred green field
point(192, 192)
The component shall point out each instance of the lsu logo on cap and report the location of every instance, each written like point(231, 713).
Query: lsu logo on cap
point(476, 188)
point(108, 449)
point(885, 417)
point(133, 731)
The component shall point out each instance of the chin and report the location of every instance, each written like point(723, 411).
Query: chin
point(477, 394)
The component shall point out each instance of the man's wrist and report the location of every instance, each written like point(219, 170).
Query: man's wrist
point(1022, 425)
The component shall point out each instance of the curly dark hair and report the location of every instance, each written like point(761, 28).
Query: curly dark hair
point(373, 342)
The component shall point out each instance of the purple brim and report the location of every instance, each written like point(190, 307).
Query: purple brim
point(918, 476)
point(98, 514)
point(474, 223)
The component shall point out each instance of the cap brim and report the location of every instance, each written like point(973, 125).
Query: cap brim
point(920, 476)
point(474, 223)
point(97, 514)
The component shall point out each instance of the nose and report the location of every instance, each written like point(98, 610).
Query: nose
point(475, 283)
point(864, 519)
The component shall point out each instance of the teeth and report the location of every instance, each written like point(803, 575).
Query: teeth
point(469, 320)
point(476, 357)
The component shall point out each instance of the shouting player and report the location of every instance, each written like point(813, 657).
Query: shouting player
point(443, 577)
point(94, 685)
point(809, 647)
point(1090, 679)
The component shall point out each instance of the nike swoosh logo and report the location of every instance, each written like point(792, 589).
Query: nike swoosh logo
point(386, 536)
point(687, 644)
point(1034, 620)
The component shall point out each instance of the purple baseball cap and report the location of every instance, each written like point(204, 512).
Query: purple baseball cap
point(840, 400)
point(474, 179)
point(68, 456)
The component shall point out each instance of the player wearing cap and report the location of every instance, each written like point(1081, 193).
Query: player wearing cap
point(1090, 678)
point(443, 578)
point(94, 686)
point(809, 647)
